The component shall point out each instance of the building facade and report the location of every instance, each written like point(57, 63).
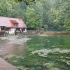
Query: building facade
point(12, 25)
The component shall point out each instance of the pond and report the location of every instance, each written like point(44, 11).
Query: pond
point(39, 52)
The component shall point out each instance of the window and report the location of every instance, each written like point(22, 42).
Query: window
point(16, 24)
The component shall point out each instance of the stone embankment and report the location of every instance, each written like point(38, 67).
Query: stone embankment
point(6, 66)
point(34, 32)
point(55, 33)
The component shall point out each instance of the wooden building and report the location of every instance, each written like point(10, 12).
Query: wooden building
point(12, 25)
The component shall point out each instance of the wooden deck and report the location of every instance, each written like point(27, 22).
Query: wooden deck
point(2, 32)
point(6, 66)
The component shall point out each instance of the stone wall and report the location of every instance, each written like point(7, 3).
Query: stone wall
point(31, 32)
point(55, 33)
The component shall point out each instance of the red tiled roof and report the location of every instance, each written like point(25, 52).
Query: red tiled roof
point(13, 21)
point(8, 22)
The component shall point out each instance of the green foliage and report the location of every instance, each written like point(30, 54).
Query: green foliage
point(28, 2)
point(5, 8)
point(33, 19)
point(39, 13)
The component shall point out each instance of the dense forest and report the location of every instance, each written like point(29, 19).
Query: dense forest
point(47, 14)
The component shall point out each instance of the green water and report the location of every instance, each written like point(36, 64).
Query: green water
point(44, 53)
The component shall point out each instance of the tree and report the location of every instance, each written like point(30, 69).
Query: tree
point(33, 19)
point(39, 13)
point(5, 8)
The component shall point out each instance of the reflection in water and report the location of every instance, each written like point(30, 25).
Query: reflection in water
point(14, 49)
point(12, 45)
point(61, 41)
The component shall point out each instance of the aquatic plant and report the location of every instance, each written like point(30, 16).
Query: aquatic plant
point(40, 55)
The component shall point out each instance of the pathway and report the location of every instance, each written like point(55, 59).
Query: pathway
point(6, 66)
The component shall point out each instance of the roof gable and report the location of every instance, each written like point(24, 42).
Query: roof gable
point(8, 22)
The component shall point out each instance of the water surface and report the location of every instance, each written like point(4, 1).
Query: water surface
point(12, 45)
point(38, 53)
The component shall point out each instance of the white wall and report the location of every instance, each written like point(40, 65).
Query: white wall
point(25, 30)
point(12, 31)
